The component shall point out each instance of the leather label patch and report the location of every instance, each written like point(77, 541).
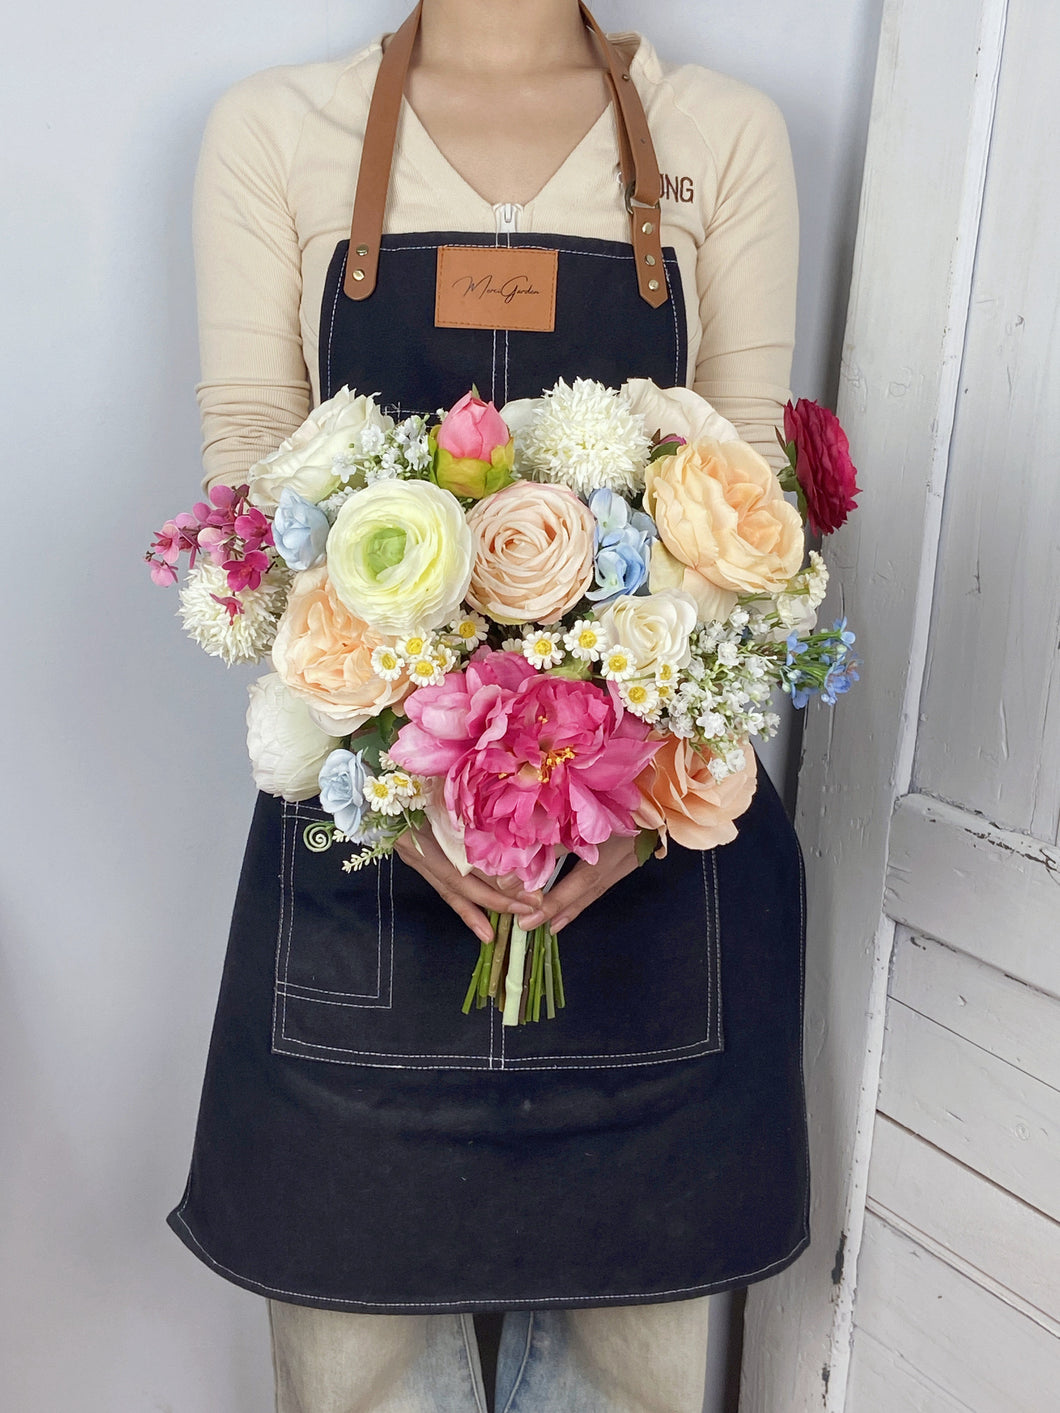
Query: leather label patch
point(496, 287)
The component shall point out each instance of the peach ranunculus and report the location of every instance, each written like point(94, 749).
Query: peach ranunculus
point(681, 798)
point(725, 528)
point(324, 654)
point(533, 553)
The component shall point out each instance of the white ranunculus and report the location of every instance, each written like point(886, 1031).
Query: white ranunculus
point(286, 746)
point(400, 555)
point(306, 462)
point(653, 628)
point(678, 412)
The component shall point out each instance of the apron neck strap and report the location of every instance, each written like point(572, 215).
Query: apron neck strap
point(640, 169)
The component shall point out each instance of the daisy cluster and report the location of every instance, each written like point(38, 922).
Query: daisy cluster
point(425, 658)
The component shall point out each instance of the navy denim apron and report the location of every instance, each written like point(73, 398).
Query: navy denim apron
point(364, 1145)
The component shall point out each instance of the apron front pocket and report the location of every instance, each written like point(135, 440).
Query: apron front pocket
point(641, 973)
point(371, 966)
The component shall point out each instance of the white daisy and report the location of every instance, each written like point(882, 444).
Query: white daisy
point(586, 641)
point(380, 795)
point(666, 675)
point(585, 436)
point(415, 645)
point(616, 664)
point(235, 638)
point(543, 649)
point(387, 663)
point(641, 698)
point(512, 645)
point(425, 670)
point(469, 631)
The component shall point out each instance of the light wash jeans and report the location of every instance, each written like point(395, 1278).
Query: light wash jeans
point(628, 1359)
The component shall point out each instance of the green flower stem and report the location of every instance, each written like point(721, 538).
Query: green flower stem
point(513, 989)
point(528, 966)
point(535, 975)
point(484, 968)
point(472, 990)
point(561, 999)
point(500, 957)
point(550, 985)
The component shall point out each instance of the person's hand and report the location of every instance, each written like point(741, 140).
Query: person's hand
point(584, 884)
point(469, 896)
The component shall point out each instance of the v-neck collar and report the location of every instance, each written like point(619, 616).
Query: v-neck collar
point(435, 160)
point(598, 146)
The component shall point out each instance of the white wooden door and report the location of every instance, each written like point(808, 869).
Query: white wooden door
point(929, 804)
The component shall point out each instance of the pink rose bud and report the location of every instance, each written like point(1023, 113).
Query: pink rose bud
point(471, 429)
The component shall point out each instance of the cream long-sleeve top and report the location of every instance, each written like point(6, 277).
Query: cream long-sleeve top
point(274, 195)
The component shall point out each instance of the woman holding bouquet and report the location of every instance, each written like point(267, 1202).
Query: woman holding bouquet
point(363, 1151)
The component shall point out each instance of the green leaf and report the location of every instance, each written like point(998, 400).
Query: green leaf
point(647, 843)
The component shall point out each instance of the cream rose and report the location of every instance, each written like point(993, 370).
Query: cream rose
point(681, 799)
point(286, 746)
point(400, 555)
point(324, 655)
point(678, 412)
point(653, 628)
point(721, 513)
point(306, 461)
point(533, 553)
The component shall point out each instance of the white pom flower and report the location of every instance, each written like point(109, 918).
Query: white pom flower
point(585, 436)
point(286, 746)
point(237, 637)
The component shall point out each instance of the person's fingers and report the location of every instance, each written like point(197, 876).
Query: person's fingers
point(583, 885)
point(470, 897)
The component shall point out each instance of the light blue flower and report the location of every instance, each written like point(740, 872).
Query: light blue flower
point(840, 679)
point(610, 512)
point(299, 530)
point(342, 778)
point(622, 546)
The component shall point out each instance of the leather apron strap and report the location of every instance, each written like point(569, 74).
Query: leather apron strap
point(640, 169)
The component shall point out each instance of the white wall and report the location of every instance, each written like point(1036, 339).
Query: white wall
point(126, 788)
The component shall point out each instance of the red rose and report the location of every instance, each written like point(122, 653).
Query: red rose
point(822, 464)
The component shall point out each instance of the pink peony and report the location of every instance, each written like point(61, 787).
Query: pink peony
point(822, 464)
point(472, 429)
point(532, 763)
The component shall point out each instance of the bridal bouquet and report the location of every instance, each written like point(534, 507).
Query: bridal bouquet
point(533, 628)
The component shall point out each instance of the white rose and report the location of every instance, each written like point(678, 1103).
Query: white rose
point(305, 462)
point(286, 746)
point(679, 411)
point(653, 628)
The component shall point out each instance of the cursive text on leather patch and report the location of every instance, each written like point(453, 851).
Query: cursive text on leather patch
point(496, 287)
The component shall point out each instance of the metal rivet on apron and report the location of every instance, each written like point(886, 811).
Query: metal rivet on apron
point(626, 77)
point(653, 284)
point(362, 250)
point(647, 228)
point(649, 259)
point(358, 274)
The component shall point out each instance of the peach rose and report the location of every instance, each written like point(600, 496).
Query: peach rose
point(721, 514)
point(323, 653)
point(680, 797)
point(533, 553)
